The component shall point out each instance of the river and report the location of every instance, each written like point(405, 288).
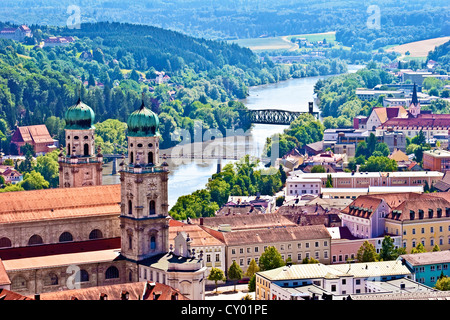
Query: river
point(189, 175)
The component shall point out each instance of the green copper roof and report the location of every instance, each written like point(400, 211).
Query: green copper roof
point(143, 123)
point(79, 117)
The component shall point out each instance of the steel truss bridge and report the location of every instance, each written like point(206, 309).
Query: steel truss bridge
point(275, 116)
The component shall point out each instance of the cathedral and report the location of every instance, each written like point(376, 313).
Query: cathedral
point(86, 234)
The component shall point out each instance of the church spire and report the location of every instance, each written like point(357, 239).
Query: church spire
point(414, 99)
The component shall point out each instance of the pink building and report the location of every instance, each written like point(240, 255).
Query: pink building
point(344, 246)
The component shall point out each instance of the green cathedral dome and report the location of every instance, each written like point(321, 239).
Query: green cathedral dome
point(143, 123)
point(79, 117)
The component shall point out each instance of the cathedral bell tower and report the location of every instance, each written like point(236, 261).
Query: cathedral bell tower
point(144, 218)
point(82, 165)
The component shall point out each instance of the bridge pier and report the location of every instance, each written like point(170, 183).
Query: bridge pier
point(114, 166)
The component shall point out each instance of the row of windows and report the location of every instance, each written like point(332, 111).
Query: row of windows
point(413, 231)
point(432, 268)
point(432, 242)
point(289, 257)
point(37, 239)
point(283, 247)
point(151, 207)
point(140, 145)
point(52, 279)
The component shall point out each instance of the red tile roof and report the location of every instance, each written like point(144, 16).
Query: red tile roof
point(59, 203)
point(32, 134)
point(10, 295)
point(4, 279)
point(363, 206)
point(423, 121)
point(134, 291)
point(59, 248)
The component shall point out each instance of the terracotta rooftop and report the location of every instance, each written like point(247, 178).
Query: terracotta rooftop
point(243, 222)
point(423, 121)
point(59, 203)
point(420, 259)
point(58, 260)
point(10, 295)
point(275, 234)
point(59, 248)
point(4, 279)
point(124, 291)
point(198, 236)
point(32, 134)
point(420, 207)
point(363, 206)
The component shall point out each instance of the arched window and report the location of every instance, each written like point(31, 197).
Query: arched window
point(131, 157)
point(130, 242)
point(150, 157)
point(130, 276)
point(86, 149)
point(112, 273)
point(51, 279)
point(18, 283)
point(82, 276)
point(34, 240)
point(152, 243)
point(95, 234)
point(152, 206)
point(65, 237)
point(130, 207)
point(68, 149)
point(5, 242)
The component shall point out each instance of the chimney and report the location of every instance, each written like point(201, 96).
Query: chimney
point(37, 296)
point(201, 221)
point(103, 296)
point(124, 295)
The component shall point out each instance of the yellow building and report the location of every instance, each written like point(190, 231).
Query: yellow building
point(424, 219)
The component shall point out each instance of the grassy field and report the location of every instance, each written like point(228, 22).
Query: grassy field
point(418, 49)
point(281, 42)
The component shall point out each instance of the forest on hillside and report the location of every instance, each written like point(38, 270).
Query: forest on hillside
point(399, 21)
point(117, 62)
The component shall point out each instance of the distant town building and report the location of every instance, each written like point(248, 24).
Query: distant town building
point(37, 136)
point(436, 160)
point(428, 266)
point(17, 34)
point(317, 281)
point(58, 41)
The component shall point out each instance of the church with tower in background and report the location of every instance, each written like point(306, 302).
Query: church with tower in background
point(85, 234)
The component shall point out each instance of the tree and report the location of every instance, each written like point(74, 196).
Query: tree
point(252, 268)
point(317, 169)
point(329, 183)
point(310, 260)
point(215, 275)
point(235, 273)
point(34, 181)
point(387, 251)
point(436, 248)
point(252, 283)
point(47, 165)
point(443, 284)
point(367, 253)
point(379, 164)
point(419, 248)
point(270, 259)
